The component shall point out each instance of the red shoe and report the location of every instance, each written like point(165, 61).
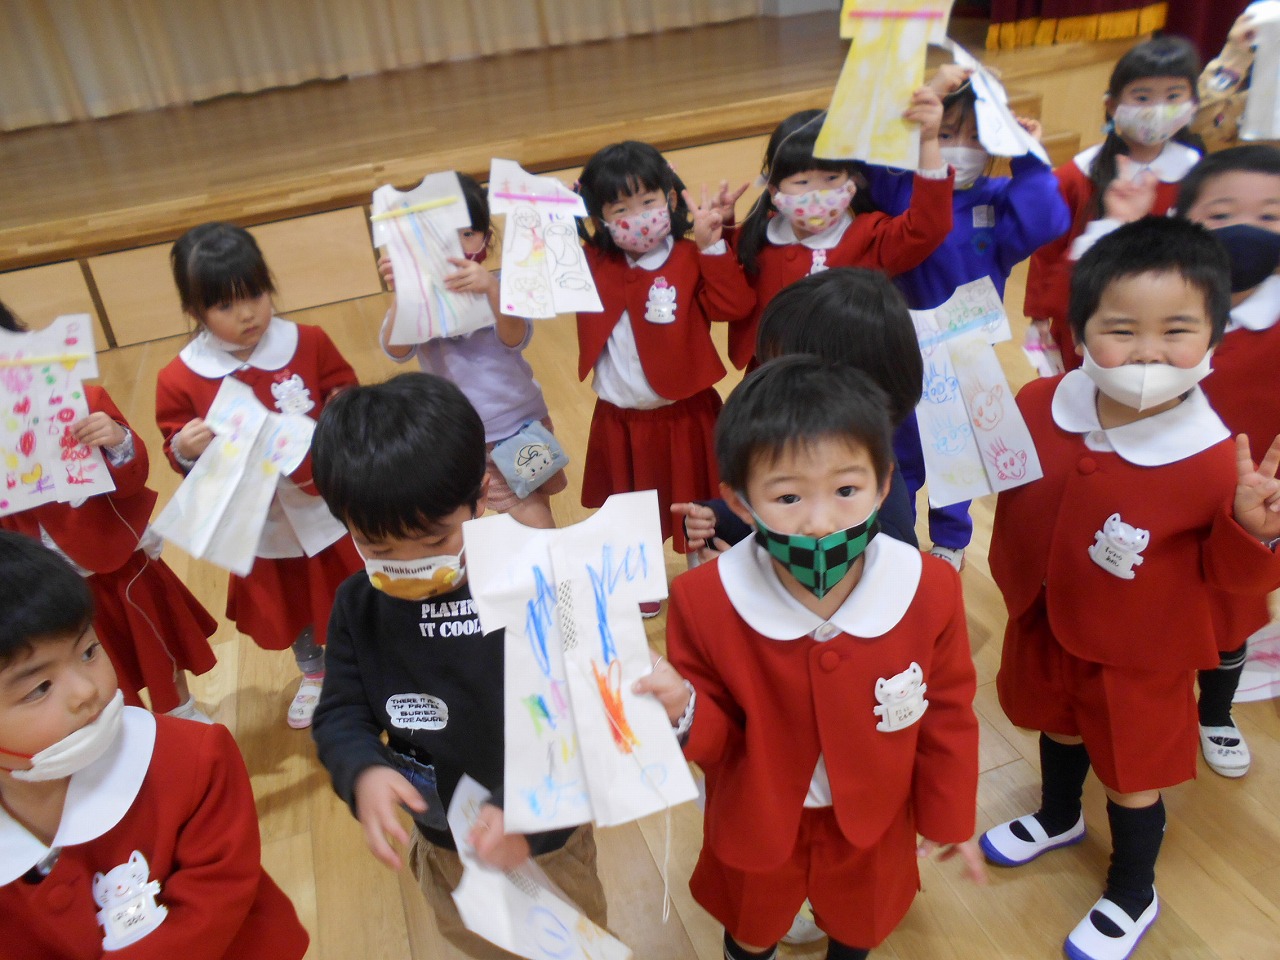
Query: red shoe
point(650, 610)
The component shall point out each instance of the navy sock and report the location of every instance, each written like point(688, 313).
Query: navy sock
point(1063, 767)
point(1218, 689)
point(734, 951)
point(1136, 836)
point(842, 951)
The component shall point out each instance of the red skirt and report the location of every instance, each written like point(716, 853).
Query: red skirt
point(281, 598)
point(858, 895)
point(150, 625)
point(670, 450)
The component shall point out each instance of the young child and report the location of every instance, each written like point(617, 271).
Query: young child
point(1104, 563)
point(844, 315)
point(304, 553)
point(998, 223)
point(650, 353)
point(829, 682)
point(488, 365)
point(802, 224)
point(150, 625)
point(122, 833)
point(403, 464)
point(1151, 98)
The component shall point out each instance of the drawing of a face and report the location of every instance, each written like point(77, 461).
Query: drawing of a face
point(526, 218)
point(938, 387)
point(949, 437)
point(987, 408)
point(1009, 464)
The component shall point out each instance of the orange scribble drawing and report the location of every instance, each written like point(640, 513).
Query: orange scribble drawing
point(610, 686)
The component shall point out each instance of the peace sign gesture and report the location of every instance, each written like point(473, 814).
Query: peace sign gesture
point(1257, 506)
point(708, 222)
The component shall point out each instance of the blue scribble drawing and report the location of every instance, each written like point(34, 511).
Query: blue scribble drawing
point(939, 386)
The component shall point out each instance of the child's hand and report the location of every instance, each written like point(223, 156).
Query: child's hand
point(1257, 506)
point(470, 278)
point(380, 792)
point(384, 271)
point(1244, 32)
point(667, 685)
point(950, 78)
point(727, 201)
point(708, 224)
point(193, 439)
point(926, 110)
point(969, 852)
point(98, 430)
point(492, 846)
point(1032, 127)
point(1129, 197)
point(700, 529)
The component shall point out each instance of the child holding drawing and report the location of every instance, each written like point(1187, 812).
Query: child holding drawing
point(151, 626)
point(488, 366)
point(821, 674)
point(403, 464)
point(653, 364)
point(303, 553)
point(801, 223)
point(998, 223)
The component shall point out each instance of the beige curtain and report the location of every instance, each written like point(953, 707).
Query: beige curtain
point(76, 59)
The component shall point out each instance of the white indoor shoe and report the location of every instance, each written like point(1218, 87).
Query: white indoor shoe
point(1087, 942)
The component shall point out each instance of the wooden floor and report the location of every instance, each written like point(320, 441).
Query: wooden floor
point(1219, 876)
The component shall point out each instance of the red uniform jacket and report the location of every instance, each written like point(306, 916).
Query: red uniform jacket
point(678, 358)
point(1044, 533)
point(186, 806)
point(1244, 387)
point(1049, 273)
point(874, 240)
point(767, 708)
point(92, 534)
point(297, 381)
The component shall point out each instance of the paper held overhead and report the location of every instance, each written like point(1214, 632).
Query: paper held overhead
point(1261, 119)
point(998, 128)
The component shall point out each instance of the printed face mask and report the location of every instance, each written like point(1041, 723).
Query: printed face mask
point(816, 210)
point(1150, 124)
point(969, 163)
point(416, 579)
point(1142, 386)
point(818, 563)
point(76, 750)
point(1254, 253)
point(642, 232)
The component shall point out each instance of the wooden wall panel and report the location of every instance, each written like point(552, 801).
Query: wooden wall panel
point(39, 294)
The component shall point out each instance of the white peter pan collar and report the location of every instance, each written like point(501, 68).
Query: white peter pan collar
point(1189, 428)
point(98, 797)
point(890, 576)
point(1172, 163)
point(276, 348)
point(653, 259)
point(1262, 308)
point(780, 233)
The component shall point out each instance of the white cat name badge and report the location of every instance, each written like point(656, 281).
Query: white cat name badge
point(128, 901)
point(661, 305)
point(901, 699)
point(1117, 547)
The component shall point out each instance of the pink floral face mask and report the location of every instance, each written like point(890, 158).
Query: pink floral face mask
point(640, 233)
point(816, 210)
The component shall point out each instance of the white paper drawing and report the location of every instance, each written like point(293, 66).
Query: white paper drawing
point(419, 231)
point(242, 466)
point(1261, 120)
point(522, 910)
point(544, 271)
point(580, 745)
point(1260, 677)
point(998, 129)
point(974, 439)
point(42, 395)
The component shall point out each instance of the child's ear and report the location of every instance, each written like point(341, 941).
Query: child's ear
point(1080, 349)
point(884, 487)
point(737, 505)
point(482, 501)
point(672, 200)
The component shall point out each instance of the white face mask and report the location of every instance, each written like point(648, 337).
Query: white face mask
point(1142, 386)
point(1151, 124)
point(969, 162)
point(416, 579)
point(77, 750)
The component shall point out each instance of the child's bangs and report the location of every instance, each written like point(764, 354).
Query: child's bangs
point(795, 155)
point(236, 275)
point(626, 179)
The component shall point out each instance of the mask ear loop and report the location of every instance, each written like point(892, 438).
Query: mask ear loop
point(766, 177)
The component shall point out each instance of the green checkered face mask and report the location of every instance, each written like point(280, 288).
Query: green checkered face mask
point(819, 563)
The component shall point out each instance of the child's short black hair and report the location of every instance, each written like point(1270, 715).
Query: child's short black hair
point(1251, 158)
point(393, 458)
point(218, 263)
point(477, 203)
point(9, 321)
point(1153, 245)
point(41, 596)
point(801, 399)
point(623, 170)
point(854, 316)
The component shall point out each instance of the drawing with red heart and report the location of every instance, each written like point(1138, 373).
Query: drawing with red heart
point(23, 406)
